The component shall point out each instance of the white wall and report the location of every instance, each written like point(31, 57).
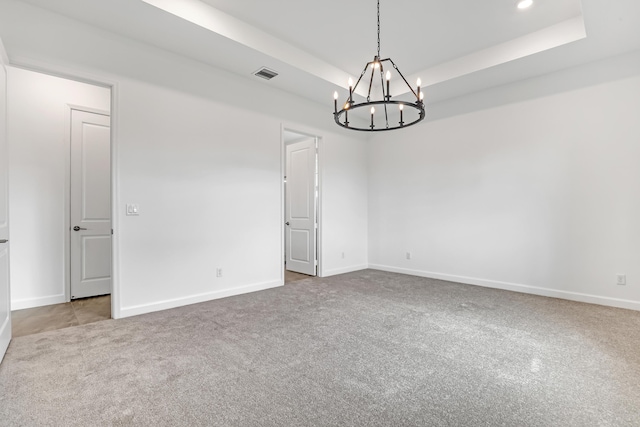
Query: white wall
point(208, 187)
point(200, 151)
point(344, 212)
point(38, 115)
point(539, 194)
point(533, 188)
point(207, 177)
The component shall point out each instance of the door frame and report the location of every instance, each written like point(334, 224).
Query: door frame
point(283, 171)
point(5, 324)
point(85, 77)
point(70, 108)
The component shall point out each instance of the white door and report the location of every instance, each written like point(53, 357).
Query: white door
point(90, 204)
point(5, 299)
point(300, 211)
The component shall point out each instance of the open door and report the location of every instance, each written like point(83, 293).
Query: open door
point(300, 210)
point(5, 299)
point(90, 204)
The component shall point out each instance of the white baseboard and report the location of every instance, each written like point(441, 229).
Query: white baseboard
point(344, 270)
point(534, 290)
point(194, 299)
point(21, 304)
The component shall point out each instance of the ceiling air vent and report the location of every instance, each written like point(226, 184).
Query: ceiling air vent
point(265, 73)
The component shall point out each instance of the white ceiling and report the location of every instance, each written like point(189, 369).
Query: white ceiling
point(343, 33)
point(455, 46)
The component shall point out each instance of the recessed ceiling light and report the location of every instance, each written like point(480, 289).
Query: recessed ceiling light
point(523, 4)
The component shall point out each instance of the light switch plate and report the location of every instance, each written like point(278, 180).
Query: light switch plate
point(133, 209)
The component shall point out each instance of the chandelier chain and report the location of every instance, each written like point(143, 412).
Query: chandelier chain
point(378, 28)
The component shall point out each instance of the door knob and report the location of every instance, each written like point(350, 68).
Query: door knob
point(287, 222)
point(76, 228)
point(4, 241)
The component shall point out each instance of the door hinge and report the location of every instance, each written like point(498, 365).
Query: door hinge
point(112, 231)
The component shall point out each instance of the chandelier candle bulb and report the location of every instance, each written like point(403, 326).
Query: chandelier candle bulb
point(346, 115)
point(373, 110)
point(401, 107)
point(419, 83)
point(350, 89)
point(388, 79)
point(335, 102)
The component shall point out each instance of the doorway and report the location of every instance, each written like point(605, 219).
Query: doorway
point(5, 297)
point(301, 205)
point(62, 173)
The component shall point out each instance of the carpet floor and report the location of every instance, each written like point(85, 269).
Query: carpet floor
point(361, 349)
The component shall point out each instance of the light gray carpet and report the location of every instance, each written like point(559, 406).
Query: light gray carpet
point(367, 349)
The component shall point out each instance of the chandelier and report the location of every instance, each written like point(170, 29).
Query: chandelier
point(390, 113)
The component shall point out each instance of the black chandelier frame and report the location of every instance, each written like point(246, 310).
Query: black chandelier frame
point(350, 105)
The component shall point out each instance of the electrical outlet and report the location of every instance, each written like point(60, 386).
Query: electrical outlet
point(218, 272)
point(621, 279)
point(408, 255)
